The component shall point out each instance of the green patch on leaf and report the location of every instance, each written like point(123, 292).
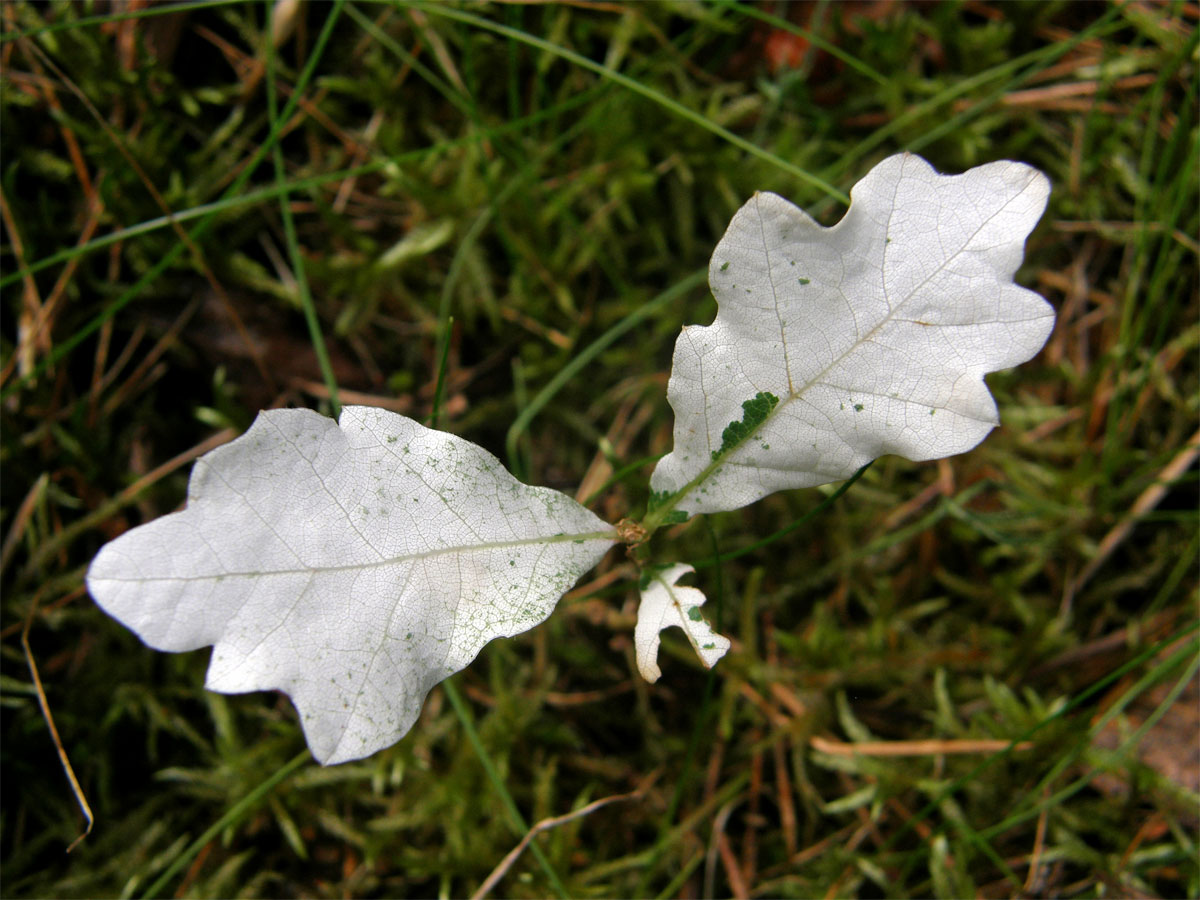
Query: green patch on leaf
point(658, 499)
point(694, 614)
point(754, 413)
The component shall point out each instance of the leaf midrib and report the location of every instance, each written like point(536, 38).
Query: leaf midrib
point(798, 393)
point(610, 535)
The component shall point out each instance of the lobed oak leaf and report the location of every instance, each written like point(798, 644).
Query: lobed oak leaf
point(352, 565)
point(833, 346)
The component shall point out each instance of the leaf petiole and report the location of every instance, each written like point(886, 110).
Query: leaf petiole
point(756, 412)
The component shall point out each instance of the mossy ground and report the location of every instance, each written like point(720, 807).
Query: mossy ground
point(183, 210)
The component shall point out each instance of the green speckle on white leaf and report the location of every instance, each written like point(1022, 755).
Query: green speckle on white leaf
point(909, 300)
point(666, 604)
point(754, 413)
point(299, 587)
point(291, 595)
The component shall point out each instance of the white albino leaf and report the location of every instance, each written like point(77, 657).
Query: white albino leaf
point(665, 604)
point(833, 346)
point(352, 565)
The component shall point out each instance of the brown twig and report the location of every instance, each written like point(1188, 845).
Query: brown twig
point(1133, 229)
point(914, 748)
point(1039, 841)
point(21, 519)
point(31, 302)
point(184, 237)
point(737, 882)
point(544, 825)
point(127, 496)
point(58, 746)
point(1146, 501)
point(150, 360)
point(718, 848)
point(402, 404)
point(45, 319)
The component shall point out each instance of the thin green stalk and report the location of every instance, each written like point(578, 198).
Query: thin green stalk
point(143, 13)
point(495, 201)
point(571, 369)
point(1036, 60)
point(226, 204)
point(435, 412)
point(514, 814)
point(1144, 284)
point(232, 816)
point(618, 475)
point(520, 393)
point(638, 88)
point(64, 347)
point(462, 104)
point(1052, 801)
point(788, 529)
point(230, 202)
point(289, 226)
point(1082, 698)
point(1185, 564)
point(685, 872)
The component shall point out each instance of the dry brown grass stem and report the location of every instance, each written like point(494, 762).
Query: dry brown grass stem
point(63, 759)
point(197, 255)
point(545, 825)
point(914, 748)
point(124, 498)
point(31, 302)
point(21, 519)
point(1147, 500)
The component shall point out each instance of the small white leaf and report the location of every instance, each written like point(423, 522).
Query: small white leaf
point(665, 604)
point(833, 346)
point(351, 566)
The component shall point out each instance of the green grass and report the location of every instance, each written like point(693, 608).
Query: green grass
point(522, 198)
